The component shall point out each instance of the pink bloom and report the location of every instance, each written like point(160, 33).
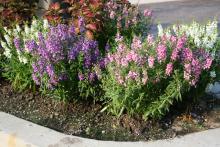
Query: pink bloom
point(187, 54)
point(181, 42)
point(121, 47)
point(187, 76)
point(174, 54)
point(208, 63)
point(173, 39)
point(169, 69)
point(110, 57)
point(112, 15)
point(134, 57)
point(187, 71)
point(132, 75)
point(120, 80)
point(124, 62)
point(136, 43)
point(150, 39)
point(187, 67)
point(147, 13)
point(151, 61)
point(144, 78)
point(118, 38)
point(81, 76)
point(161, 53)
point(193, 82)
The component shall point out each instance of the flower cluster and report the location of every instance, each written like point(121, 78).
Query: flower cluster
point(61, 48)
point(203, 36)
point(139, 59)
point(17, 41)
point(125, 17)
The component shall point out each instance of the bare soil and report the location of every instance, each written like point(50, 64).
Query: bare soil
point(85, 119)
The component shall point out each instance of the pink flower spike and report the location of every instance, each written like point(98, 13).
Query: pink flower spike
point(148, 13)
point(161, 52)
point(151, 61)
point(169, 69)
point(150, 39)
point(208, 63)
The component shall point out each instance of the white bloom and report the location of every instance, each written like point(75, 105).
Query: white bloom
point(168, 33)
point(7, 51)
point(212, 74)
point(21, 58)
point(18, 28)
point(45, 23)
point(160, 30)
point(34, 22)
point(27, 30)
point(3, 44)
point(8, 39)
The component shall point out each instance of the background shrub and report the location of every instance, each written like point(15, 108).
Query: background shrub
point(103, 19)
point(17, 11)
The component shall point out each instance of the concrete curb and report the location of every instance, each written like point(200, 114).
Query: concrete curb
point(16, 132)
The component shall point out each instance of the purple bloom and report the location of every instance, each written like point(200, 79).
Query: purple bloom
point(81, 77)
point(81, 24)
point(31, 45)
point(72, 30)
point(50, 70)
point(17, 43)
point(187, 54)
point(35, 78)
point(92, 76)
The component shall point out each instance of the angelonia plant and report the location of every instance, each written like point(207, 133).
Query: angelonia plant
point(18, 59)
point(148, 75)
point(55, 58)
point(63, 62)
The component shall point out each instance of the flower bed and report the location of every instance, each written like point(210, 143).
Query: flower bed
point(121, 67)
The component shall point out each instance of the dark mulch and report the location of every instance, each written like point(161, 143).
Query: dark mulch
point(85, 119)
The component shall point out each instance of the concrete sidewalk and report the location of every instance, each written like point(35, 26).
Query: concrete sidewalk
point(15, 132)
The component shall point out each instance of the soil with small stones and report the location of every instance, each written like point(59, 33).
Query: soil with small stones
point(85, 119)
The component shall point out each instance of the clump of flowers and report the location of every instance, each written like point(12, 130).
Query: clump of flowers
point(146, 77)
point(63, 58)
point(15, 45)
point(202, 36)
point(125, 17)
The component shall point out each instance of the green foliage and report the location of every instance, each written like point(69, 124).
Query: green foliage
point(172, 93)
point(18, 74)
